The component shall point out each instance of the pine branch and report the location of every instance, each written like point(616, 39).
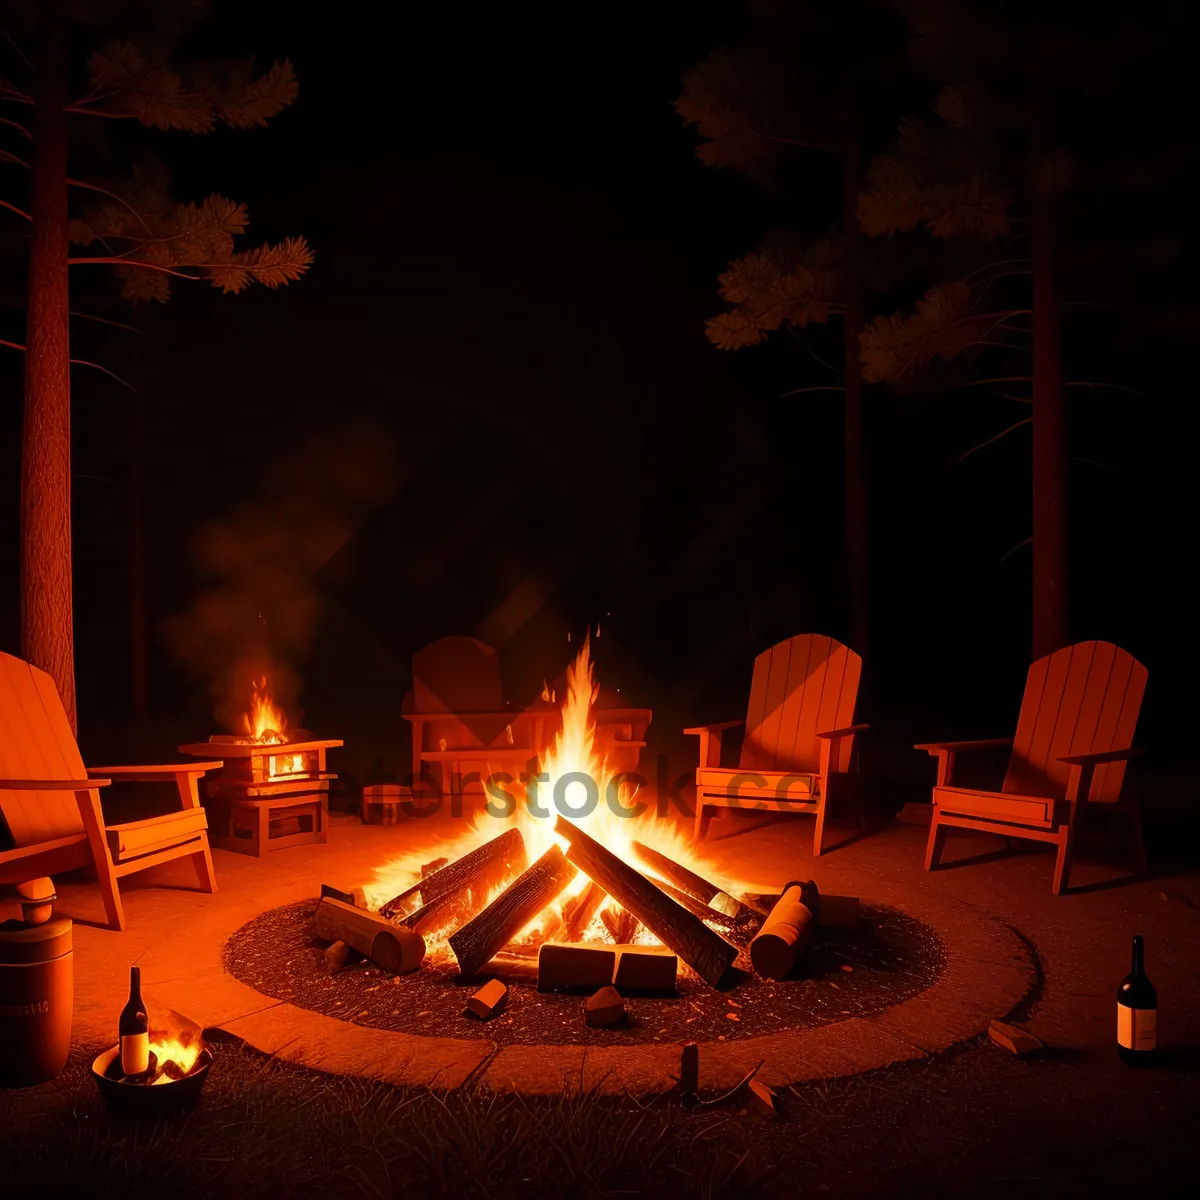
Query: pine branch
point(802, 391)
point(8, 156)
point(13, 208)
point(79, 362)
point(967, 454)
point(17, 126)
point(8, 37)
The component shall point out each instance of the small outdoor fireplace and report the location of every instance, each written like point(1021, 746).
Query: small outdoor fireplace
point(273, 791)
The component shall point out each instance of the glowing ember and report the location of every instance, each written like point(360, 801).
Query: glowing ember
point(576, 782)
point(265, 722)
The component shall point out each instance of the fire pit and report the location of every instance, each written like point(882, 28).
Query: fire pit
point(273, 791)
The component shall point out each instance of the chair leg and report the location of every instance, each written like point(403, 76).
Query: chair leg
point(937, 839)
point(202, 861)
point(93, 824)
point(1062, 864)
point(701, 826)
point(819, 831)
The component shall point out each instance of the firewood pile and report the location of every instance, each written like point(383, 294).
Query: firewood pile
point(479, 903)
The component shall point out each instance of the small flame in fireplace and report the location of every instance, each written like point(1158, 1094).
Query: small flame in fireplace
point(266, 722)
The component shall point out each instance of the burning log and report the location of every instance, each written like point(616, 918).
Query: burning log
point(691, 883)
point(394, 949)
point(481, 869)
point(645, 969)
point(580, 911)
point(786, 932)
point(489, 1001)
point(606, 1007)
point(562, 966)
point(621, 924)
point(739, 929)
point(707, 954)
point(480, 938)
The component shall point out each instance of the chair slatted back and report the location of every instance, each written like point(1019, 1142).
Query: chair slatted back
point(36, 742)
point(801, 687)
point(1082, 699)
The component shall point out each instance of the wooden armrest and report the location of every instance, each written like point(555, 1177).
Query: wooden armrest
point(961, 747)
point(832, 734)
point(52, 785)
point(180, 768)
point(720, 727)
point(1105, 756)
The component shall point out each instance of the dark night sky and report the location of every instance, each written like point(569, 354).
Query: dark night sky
point(516, 250)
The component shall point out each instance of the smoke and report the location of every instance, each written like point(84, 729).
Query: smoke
point(260, 608)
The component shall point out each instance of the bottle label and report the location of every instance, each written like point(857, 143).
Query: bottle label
point(135, 1053)
point(1137, 1027)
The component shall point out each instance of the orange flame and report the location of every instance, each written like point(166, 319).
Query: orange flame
point(595, 806)
point(174, 1037)
point(266, 722)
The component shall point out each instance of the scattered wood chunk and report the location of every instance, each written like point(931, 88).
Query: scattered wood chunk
point(328, 890)
point(489, 1001)
point(605, 1007)
point(1013, 1038)
point(689, 1069)
point(389, 946)
point(621, 925)
point(335, 957)
point(645, 968)
point(566, 965)
point(761, 1098)
point(837, 912)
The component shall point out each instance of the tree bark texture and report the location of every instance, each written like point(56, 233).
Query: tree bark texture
point(47, 637)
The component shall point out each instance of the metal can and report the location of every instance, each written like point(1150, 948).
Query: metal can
point(37, 1000)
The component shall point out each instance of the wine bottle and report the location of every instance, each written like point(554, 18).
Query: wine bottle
point(134, 1029)
point(1137, 1013)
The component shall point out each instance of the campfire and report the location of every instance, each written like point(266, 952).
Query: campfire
point(572, 879)
point(273, 790)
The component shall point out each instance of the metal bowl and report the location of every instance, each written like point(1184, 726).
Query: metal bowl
point(140, 1099)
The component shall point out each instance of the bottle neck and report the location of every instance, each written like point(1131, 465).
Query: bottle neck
point(135, 986)
point(1138, 965)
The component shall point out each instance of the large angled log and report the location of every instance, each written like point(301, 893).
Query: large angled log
point(709, 955)
point(483, 868)
point(688, 881)
point(738, 929)
point(580, 911)
point(480, 938)
point(394, 949)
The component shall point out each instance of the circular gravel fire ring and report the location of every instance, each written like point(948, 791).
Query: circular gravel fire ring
point(892, 958)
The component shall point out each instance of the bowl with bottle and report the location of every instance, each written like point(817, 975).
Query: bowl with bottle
point(157, 1064)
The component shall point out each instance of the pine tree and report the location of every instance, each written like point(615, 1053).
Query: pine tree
point(794, 87)
point(146, 238)
point(1023, 127)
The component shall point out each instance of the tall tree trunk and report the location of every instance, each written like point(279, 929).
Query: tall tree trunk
point(1051, 547)
point(855, 455)
point(139, 641)
point(46, 607)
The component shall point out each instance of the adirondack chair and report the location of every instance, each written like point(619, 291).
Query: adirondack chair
point(460, 723)
point(50, 803)
point(1074, 737)
point(796, 752)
